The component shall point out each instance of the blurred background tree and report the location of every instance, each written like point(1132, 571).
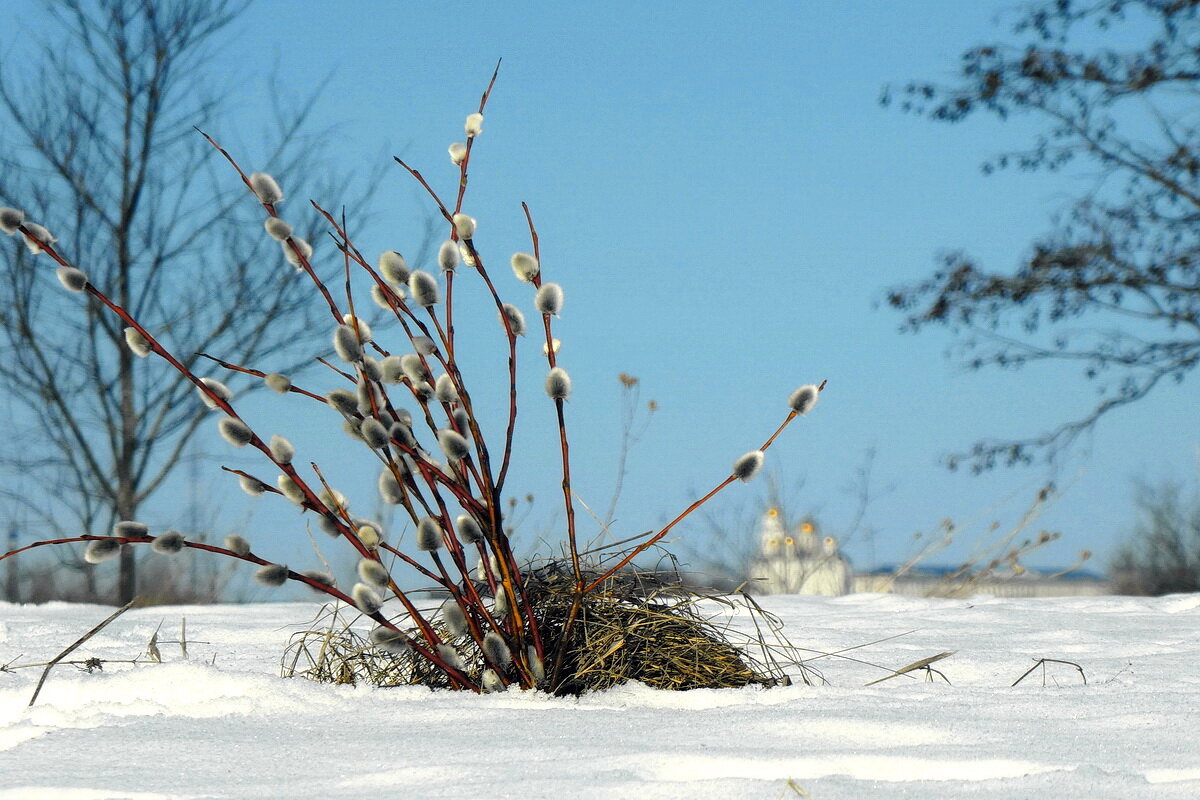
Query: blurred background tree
point(1113, 288)
point(99, 146)
point(1163, 554)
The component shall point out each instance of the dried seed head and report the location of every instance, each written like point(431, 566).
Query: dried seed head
point(130, 529)
point(516, 320)
point(277, 229)
point(214, 386)
point(803, 399)
point(369, 535)
point(468, 529)
point(552, 346)
point(237, 545)
point(252, 486)
point(387, 639)
point(424, 288)
point(444, 390)
point(365, 599)
point(36, 237)
point(474, 125)
point(458, 153)
point(549, 299)
point(272, 575)
point(234, 431)
point(291, 246)
point(448, 257)
point(492, 682)
point(290, 489)
point(278, 382)
point(373, 433)
point(343, 400)
point(169, 543)
point(346, 344)
point(748, 465)
point(373, 573)
point(453, 444)
point(429, 534)
point(464, 226)
point(265, 187)
point(558, 384)
point(317, 576)
point(391, 369)
point(139, 344)
point(371, 369)
point(390, 489)
point(281, 449)
point(424, 345)
point(496, 649)
point(101, 550)
point(73, 280)
point(11, 219)
point(525, 267)
point(414, 368)
point(450, 656)
point(535, 664)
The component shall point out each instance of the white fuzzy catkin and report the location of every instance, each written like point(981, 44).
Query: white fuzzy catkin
point(265, 187)
point(384, 297)
point(402, 433)
point(414, 368)
point(450, 656)
point(496, 648)
point(387, 639)
point(369, 535)
point(237, 545)
point(373, 433)
point(549, 299)
point(373, 573)
point(803, 399)
point(215, 387)
point(330, 526)
point(281, 449)
point(525, 267)
point(393, 268)
point(424, 289)
point(346, 344)
point(130, 528)
point(468, 257)
point(99, 550)
point(252, 486)
point(444, 389)
point(458, 153)
point(390, 489)
point(453, 444)
point(391, 369)
point(535, 664)
point(272, 575)
point(371, 369)
point(554, 345)
point(454, 619)
point(36, 237)
point(317, 576)
point(558, 384)
point(169, 543)
point(468, 529)
point(492, 682)
point(73, 280)
point(429, 534)
point(516, 320)
point(333, 500)
point(11, 219)
point(278, 382)
point(343, 400)
point(234, 431)
point(290, 489)
point(365, 599)
point(474, 124)
point(289, 250)
point(500, 601)
point(464, 226)
point(746, 467)
point(424, 345)
point(364, 330)
point(138, 344)
point(277, 229)
point(448, 258)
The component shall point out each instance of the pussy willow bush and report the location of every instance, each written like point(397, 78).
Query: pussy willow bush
point(413, 412)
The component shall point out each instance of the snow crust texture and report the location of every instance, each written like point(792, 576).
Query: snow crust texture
point(194, 729)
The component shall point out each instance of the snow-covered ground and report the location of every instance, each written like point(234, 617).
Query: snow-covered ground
point(222, 724)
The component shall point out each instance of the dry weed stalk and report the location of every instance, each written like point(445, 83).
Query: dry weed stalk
point(499, 626)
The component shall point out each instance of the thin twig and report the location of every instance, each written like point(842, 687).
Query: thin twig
point(71, 649)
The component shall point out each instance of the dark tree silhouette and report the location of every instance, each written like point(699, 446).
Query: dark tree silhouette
point(1114, 287)
point(99, 145)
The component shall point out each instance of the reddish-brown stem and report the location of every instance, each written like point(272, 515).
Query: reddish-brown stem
point(258, 374)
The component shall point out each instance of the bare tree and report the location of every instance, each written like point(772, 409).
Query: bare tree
point(1162, 555)
point(98, 138)
point(1114, 286)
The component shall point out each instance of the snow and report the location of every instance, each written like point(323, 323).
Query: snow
point(222, 724)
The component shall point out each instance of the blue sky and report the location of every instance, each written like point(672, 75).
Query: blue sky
point(724, 202)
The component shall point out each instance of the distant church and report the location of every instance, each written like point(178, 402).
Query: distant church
point(797, 563)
